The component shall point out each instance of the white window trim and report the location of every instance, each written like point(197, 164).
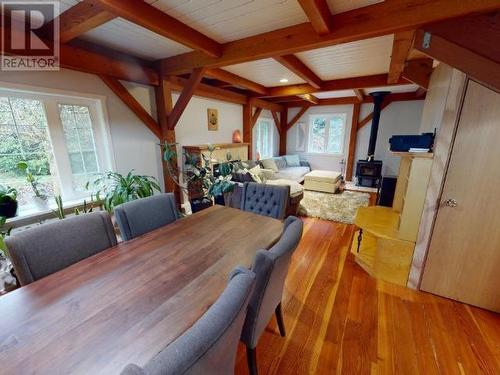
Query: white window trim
point(326, 116)
point(271, 124)
point(50, 98)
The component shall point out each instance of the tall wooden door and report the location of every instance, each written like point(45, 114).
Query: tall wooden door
point(463, 261)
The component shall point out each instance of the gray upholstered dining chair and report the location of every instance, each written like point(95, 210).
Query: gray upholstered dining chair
point(209, 346)
point(144, 215)
point(48, 248)
point(270, 267)
point(266, 200)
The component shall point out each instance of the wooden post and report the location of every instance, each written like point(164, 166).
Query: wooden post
point(283, 131)
point(164, 107)
point(352, 141)
point(247, 126)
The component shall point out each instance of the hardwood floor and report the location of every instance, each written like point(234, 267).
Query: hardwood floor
point(340, 320)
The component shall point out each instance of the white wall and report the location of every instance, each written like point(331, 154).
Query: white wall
point(320, 161)
point(192, 128)
point(399, 118)
point(134, 146)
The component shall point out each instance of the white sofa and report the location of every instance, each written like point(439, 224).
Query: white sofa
point(286, 172)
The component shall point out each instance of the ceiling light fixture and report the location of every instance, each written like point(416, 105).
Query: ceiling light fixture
point(283, 80)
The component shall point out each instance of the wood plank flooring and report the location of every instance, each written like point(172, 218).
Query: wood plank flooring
point(339, 320)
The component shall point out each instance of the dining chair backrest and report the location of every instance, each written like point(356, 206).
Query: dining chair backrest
point(45, 249)
point(271, 268)
point(209, 347)
point(266, 200)
point(146, 214)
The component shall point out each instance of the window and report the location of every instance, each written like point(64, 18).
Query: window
point(263, 135)
point(62, 139)
point(327, 133)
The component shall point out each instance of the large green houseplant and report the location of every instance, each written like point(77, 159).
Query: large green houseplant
point(114, 188)
point(8, 201)
point(200, 170)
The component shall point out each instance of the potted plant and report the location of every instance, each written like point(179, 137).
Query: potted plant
point(41, 198)
point(8, 201)
point(201, 173)
point(114, 189)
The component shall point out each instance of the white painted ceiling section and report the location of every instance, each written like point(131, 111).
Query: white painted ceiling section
point(127, 37)
point(393, 89)
point(267, 72)
point(362, 58)
point(334, 94)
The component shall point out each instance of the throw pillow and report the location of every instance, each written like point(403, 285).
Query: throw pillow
point(267, 174)
point(255, 173)
point(269, 164)
point(280, 163)
point(292, 160)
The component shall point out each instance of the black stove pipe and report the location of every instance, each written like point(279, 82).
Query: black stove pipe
point(378, 98)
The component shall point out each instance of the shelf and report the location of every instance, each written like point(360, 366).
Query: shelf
point(423, 155)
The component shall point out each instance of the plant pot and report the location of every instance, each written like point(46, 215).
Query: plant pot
point(42, 204)
point(219, 199)
point(199, 204)
point(8, 209)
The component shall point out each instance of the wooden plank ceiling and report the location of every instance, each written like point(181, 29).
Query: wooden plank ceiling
point(288, 51)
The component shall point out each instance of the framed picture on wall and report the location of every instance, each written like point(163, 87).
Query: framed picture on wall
point(213, 119)
point(300, 143)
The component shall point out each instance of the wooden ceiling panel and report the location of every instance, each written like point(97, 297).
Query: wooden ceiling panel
point(393, 89)
point(361, 58)
point(226, 21)
point(267, 72)
point(339, 6)
point(334, 94)
point(124, 36)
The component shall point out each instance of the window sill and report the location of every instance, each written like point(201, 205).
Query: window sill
point(34, 215)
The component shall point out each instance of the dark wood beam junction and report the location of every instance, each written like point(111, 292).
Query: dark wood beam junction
point(319, 14)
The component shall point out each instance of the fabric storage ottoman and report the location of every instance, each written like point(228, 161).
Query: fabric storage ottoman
point(324, 181)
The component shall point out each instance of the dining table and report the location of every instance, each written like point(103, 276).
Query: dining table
point(127, 303)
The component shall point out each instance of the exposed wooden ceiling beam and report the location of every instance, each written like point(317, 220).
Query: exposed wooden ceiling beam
point(297, 116)
point(369, 117)
point(470, 44)
point(378, 80)
point(264, 104)
point(277, 121)
point(309, 98)
point(397, 97)
point(151, 18)
point(186, 95)
point(79, 19)
point(418, 71)
point(360, 94)
point(125, 96)
point(236, 80)
point(255, 116)
point(401, 47)
point(319, 14)
point(208, 91)
point(294, 64)
point(371, 21)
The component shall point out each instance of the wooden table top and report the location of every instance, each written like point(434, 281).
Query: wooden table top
point(129, 302)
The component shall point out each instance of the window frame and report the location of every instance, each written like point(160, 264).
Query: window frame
point(258, 144)
point(50, 99)
point(327, 117)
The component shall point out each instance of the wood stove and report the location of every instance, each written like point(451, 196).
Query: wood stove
point(369, 171)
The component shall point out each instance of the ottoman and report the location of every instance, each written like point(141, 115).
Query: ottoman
point(324, 181)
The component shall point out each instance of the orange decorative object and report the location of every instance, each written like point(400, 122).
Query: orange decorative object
point(237, 136)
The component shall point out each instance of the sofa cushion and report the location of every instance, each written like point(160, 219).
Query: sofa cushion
point(295, 187)
point(280, 162)
point(269, 164)
point(292, 160)
point(243, 175)
point(293, 173)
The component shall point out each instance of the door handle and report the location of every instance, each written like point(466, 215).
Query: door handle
point(451, 203)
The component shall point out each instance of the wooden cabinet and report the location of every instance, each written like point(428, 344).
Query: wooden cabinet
point(383, 246)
